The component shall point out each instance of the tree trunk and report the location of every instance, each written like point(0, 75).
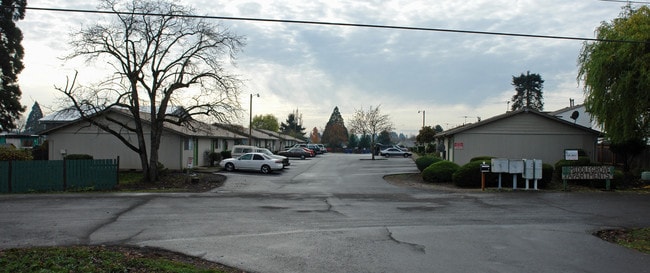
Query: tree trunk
point(372, 144)
point(156, 134)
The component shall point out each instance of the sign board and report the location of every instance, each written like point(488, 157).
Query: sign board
point(571, 155)
point(587, 172)
point(190, 162)
point(515, 166)
point(499, 165)
point(458, 145)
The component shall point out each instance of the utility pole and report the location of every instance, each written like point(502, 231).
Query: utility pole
point(250, 120)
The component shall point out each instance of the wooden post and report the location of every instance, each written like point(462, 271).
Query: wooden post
point(483, 181)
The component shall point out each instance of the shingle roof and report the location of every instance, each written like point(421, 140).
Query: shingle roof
point(470, 126)
point(191, 128)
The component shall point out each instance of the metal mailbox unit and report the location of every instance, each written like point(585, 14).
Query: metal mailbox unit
point(529, 168)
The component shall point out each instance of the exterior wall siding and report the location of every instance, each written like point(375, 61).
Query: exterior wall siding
point(84, 139)
point(521, 136)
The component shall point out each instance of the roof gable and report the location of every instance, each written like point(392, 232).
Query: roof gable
point(511, 115)
point(192, 128)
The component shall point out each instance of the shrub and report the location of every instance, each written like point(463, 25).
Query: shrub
point(547, 175)
point(226, 154)
point(425, 161)
point(440, 171)
point(8, 153)
point(214, 157)
point(469, 176)
point(557, 173)
point(78, 156)
point(41, 152)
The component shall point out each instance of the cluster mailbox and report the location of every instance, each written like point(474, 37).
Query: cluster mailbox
point(528, 168)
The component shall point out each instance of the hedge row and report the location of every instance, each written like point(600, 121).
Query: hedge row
point(435, 170)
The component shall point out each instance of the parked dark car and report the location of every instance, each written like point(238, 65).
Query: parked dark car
point(315, 148)
point(295, 152)
point(395, 152)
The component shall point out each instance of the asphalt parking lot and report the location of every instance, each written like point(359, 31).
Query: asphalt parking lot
point(336, 213)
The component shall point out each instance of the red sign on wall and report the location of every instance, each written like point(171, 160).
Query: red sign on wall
point(458, 145)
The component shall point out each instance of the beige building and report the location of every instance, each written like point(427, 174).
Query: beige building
point(518, 134)
point(180, 145)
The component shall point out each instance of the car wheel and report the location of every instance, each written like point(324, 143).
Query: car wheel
point(302, 157)
point(387, 155)
point(265, 169)
point(230, 167)
point(406, 155)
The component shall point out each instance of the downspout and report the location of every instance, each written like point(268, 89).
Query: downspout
point(196, 152)
point(180, 152)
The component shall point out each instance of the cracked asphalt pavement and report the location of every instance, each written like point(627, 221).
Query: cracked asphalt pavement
point(336, 213)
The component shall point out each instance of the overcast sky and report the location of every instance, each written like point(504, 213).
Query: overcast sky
point(453, 77)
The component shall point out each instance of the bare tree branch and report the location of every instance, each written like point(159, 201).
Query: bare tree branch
point(165, 69)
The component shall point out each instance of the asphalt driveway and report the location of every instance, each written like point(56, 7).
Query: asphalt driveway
point(335, 213)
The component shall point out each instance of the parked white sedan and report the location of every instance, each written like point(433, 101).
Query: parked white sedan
point(395, 152)
point(252, 161)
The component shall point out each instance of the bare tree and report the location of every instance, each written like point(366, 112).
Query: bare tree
point(166, 68)
point(370, 122)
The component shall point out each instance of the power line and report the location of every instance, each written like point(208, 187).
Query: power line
point(623, 1)
point(341, 24)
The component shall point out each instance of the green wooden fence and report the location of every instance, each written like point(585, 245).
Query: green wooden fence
point(58, 175)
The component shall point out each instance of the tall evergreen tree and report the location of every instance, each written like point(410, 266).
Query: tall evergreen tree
point(529, 92)
point(353, 141)
point(11, 62)
point(365, 141)
point(32, 126)
point(293, 127)
point(335, 135)
point(384, 138)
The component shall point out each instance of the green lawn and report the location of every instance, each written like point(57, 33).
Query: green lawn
point(98, 259)
point(638, 239)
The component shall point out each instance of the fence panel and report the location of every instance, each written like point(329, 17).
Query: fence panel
point(37, 175)
point(99, 174)
point(4, 176)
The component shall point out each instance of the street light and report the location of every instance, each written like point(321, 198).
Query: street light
point(423, 113)
point(250, 120)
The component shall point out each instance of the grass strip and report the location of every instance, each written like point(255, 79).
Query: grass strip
point(89, 259)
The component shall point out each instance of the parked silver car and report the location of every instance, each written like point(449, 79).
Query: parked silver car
point(395, 152)
point(252, 161)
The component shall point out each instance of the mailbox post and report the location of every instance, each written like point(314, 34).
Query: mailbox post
point(485, 168)
point(532, 170)
point(500, 166)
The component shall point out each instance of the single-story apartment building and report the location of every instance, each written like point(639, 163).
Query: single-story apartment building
point(283, 140)
point(20, 141)
point(179, 147)
point(520, 134)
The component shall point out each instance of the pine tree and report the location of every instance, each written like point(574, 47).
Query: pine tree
point(11, 62)
point(335, 135)
point(32, 126)
point(293, 127)
point(529, 92)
